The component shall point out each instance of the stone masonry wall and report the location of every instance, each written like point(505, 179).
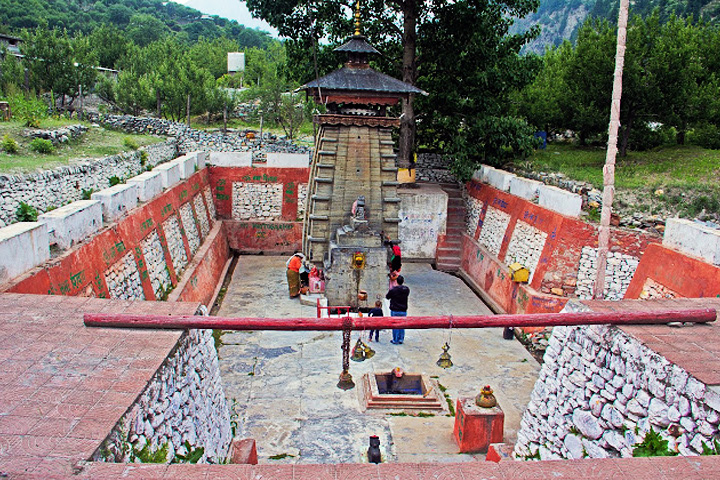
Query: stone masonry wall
point(434, 168)
point(54, 188)
point(202, 217)
point(474, 209)
point(156, 266)
point(123, 279)
point(184, 402)
point(210, 204)
point(257, 200)
point(600, 391)
point(493, 231)
point(175, 244)
point(618, 274)
point(526, 246)
point(191, 231)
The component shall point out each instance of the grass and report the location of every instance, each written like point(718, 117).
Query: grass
point(95, 143)
point(680, 166)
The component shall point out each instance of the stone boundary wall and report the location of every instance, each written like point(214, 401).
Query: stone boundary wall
point(184, 402)
point(600, 391)
point(54, 188)
point(434, 168)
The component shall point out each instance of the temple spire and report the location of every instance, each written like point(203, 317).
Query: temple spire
point(357, 18)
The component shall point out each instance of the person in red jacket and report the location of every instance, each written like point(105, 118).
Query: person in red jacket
point(293, 273)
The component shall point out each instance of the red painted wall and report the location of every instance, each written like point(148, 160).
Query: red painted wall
point(684, 275)
point(81, 271)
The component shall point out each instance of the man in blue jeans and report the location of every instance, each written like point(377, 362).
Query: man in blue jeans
point(398, 297)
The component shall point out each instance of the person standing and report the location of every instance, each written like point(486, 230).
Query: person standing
point(398, 297)
point(293, 273)
point(375, 312)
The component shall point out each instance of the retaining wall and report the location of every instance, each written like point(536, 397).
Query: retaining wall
point(53, 188)
point(600, 391)
point(184, 402)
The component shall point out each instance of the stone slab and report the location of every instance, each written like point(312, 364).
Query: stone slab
point(525, 188)
point(169, 172)
point(560, 201)
point(693, 238)
point(230, 159)
point(187, 165)
point(149, 184)
point(117, 200)
point(202, 157)
point(23, 246)
point(288, 160)
point(423, 216)
point(499, 179)
point(73, 223)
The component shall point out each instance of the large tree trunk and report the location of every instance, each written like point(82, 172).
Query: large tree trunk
point(409, 66)
point(609, 169)
point(626, 133)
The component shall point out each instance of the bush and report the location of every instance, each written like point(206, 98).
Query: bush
point(26, 213)
point(29, 109)
point(9, 144)
point(706, 135)
point(40, 145)
point(143, 158)
point(114, 180)
point(87, 194)
point(130, 143)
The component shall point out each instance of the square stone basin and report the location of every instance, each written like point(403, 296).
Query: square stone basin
point(411, 392)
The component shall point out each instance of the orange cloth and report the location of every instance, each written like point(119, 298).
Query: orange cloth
point(295, 264)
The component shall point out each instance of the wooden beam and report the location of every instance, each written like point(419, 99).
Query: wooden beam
point(366, 323)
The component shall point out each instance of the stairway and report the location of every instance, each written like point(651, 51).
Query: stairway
point(449, 247)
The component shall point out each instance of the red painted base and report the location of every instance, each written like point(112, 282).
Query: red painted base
point(475, 427)
point(244, 452)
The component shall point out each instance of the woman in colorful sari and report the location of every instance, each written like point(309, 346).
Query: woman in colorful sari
point(293, 273)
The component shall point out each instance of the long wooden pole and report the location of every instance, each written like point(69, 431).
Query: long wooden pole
point(363, 323)
point(609, 168)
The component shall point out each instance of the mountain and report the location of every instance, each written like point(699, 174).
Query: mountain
point(149, 18)
point(230, 9)
point(560, 19)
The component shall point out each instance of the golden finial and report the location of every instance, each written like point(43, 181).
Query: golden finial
point(357, 18)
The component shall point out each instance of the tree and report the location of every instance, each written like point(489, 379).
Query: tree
point(109, 44)
point(145, 29)
point(470, 65)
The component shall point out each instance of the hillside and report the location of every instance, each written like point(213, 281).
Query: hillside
point(560, 19)
point(140, 18)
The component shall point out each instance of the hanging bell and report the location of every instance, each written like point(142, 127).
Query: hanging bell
point(444, 360)
point(358, 352)
point(369, 352)
point(346, 381)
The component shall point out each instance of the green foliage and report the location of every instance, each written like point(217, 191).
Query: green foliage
point(143, 158)
point(40, 145)
point(26, 213)
point(130, 143)
point(86, 194)
point(146, 455)
point(706, 135)
point(114, 180)
point(280, 456)
point(9, 144)
point(713, 449)
point(652, 446)
point(193, 455)
point(28, 109)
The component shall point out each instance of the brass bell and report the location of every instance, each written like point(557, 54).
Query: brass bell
point(444, 360)
point(369, 352)
point(346, 381)
point(358, 352)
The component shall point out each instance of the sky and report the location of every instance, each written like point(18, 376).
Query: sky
point(230, 9)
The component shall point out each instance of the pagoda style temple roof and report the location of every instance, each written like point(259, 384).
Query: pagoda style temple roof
point(357, 44)
point(362, 80)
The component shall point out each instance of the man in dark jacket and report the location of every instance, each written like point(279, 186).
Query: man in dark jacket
point(398, 297)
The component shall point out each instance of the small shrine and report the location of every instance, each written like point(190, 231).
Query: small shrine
point(353, 206)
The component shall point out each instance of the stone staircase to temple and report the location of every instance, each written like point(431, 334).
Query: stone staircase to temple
point(449, 247)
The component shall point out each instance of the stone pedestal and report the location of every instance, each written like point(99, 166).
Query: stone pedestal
point(476, 427)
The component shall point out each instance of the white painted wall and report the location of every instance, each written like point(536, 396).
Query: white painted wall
point(23, 246)
point(117, 200)
point(169, 172)
point(560, 201)
point(693, 239)
point(230, 159)
point(72, 223)
point(423, 214)
point(149, 185)
point(288, 160)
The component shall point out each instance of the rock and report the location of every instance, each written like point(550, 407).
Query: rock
point(587, 424)
point(658, 413)
point(574, 446)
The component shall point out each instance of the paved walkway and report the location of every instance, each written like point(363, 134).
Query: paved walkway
point(284, 383)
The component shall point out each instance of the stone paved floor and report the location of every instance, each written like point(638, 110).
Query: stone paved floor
point(284, 382)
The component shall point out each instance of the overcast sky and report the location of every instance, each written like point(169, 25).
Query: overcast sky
point(231, 9)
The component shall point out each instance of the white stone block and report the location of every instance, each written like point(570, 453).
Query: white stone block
point(524, 188)
point(288, 160)
point(230, 159)
point(560, 201)
point(73, 223)
point(149, 185)
point(23, 246)
point(117, 200)
point(423, 215)
point(169, 172)
point(187, 165)
point(693, 238)
point(202, 157)
point(499, 179)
